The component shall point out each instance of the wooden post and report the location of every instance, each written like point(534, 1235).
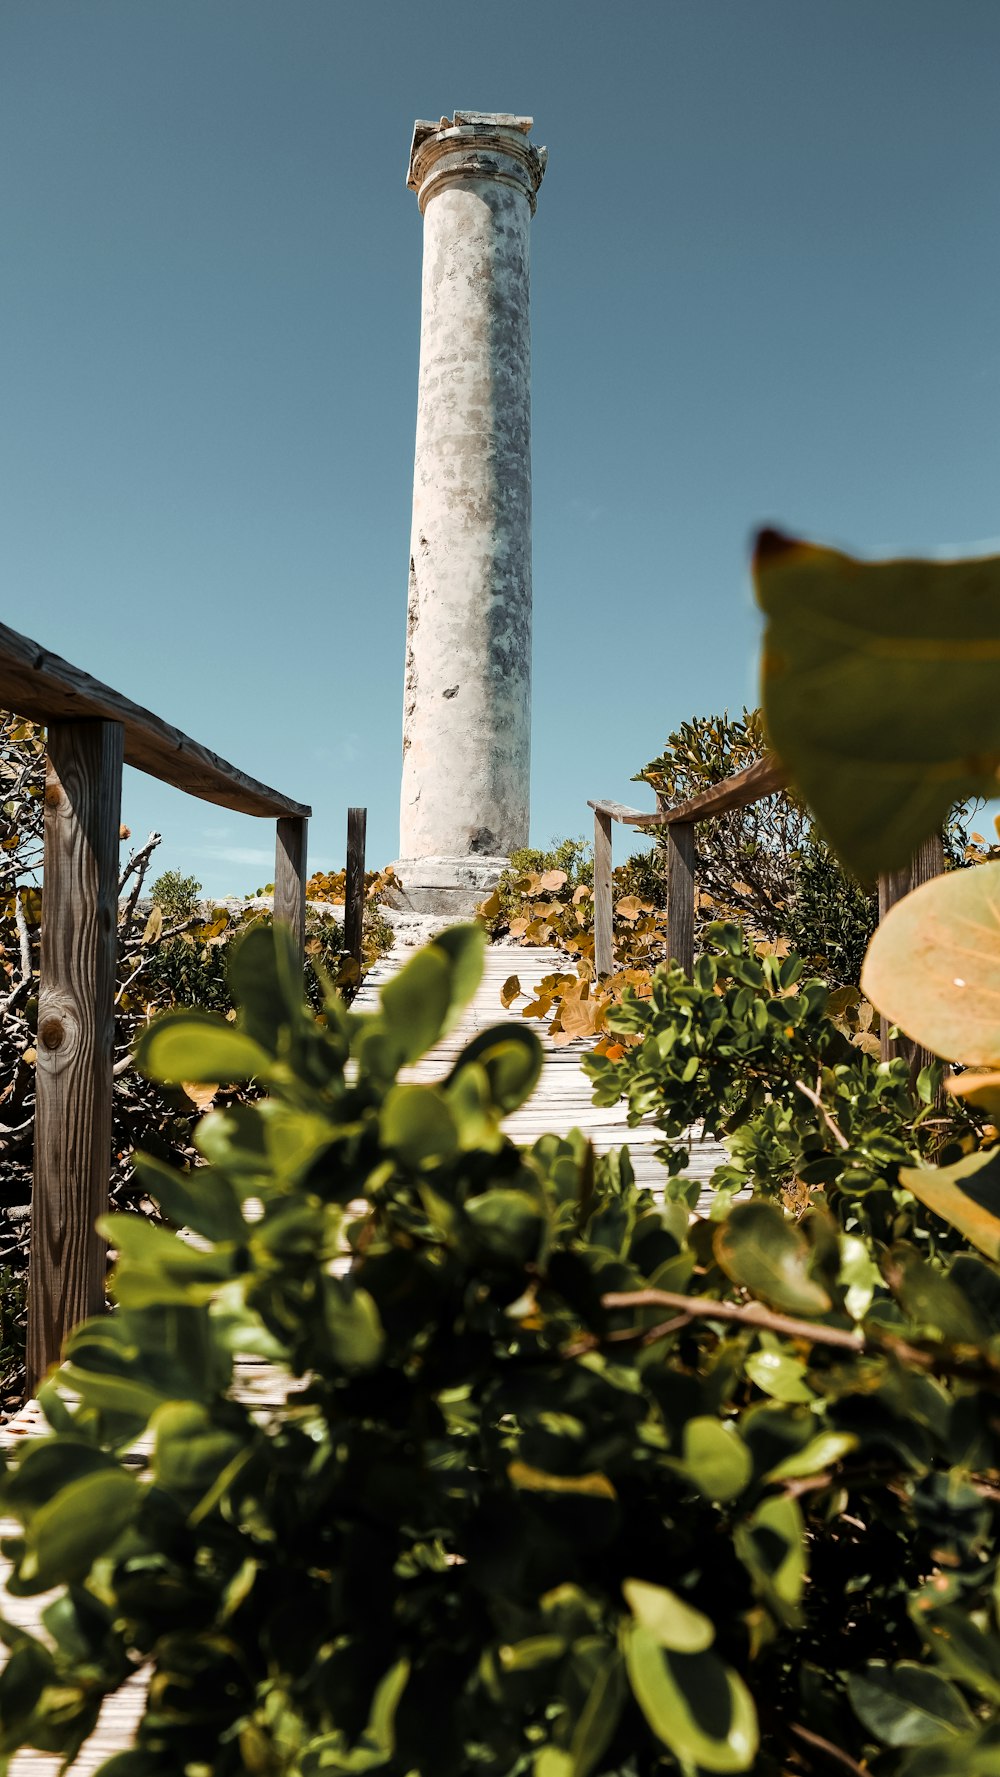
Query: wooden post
point(928, 862)
point(354, 893)
point(75, 1045)
point(290, 877)
point(680, 893)
point(604, 946)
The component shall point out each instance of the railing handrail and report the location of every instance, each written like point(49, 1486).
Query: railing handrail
point(760, 779)
point(92, 731)
point(46, 688)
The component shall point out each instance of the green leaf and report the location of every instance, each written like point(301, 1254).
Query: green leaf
point(189, 1450)
point(757, 1247)
point(511, 1057)
point(821, 1452)
point(202, 1200)
point(81, 1522)
point(700, 1710)
point(509, 1224)
point(464, 947)
point(198, 1046)
point(961, 1648)
point(879, 689)
point(672, 1623)
point(415, 1003)
point(352, 1324)
point(931, 1299)
point(771, 1544)
point(780, 1376)
point(907, 1704)
point(933, 966)
point(417, 1124)
point(265, 980)
point(715, 1457)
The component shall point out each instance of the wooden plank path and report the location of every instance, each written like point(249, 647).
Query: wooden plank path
point(562, 1101)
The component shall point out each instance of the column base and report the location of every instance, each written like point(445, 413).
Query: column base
point(448, 886)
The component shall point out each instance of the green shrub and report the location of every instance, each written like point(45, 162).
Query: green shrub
point(563, 1483)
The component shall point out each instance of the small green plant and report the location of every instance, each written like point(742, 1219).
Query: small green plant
point(176, 896)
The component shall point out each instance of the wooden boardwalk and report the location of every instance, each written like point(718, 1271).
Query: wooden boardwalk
point(562, 1101)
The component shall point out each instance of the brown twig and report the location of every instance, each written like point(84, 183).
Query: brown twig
point(814, 1098)
point(834, 1753)
point(748, 1314)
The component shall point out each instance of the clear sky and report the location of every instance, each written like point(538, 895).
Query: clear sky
point(766, 266)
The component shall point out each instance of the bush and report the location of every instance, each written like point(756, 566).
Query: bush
point(563, 1483)
point(173, 954)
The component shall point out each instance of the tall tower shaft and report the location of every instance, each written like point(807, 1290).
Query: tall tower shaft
point(467, 699)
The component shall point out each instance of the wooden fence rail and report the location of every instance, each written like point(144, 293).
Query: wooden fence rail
point(91, 732)
point(678, 824)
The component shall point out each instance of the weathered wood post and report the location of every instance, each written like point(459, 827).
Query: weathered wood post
point(354, 891)
point(290, 877)
point(604, 948)
point(75, 1047)
point(680, 893)
point(927, 862)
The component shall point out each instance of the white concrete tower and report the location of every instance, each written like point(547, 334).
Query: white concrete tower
point(467, 700)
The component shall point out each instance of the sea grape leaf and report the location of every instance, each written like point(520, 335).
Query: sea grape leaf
point(933, 966)
point(907, 1704)
point(416, 1123)
point(699, 1708)
point(966, 1195)
point(715, 1457)
point(198, 1046)
point(671, 1622)
point(780, 1376)
point(771, 1545)
point(511, 1058)
point(83, 1520)
point(979, 1087)
point(757, 1247)
point(879, 690)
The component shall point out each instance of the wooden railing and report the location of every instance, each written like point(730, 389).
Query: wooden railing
point(678, 824)
point(91, 731)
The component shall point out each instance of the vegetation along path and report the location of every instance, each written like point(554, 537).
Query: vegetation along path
point(562, 1101)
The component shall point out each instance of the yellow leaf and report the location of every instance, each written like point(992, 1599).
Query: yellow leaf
point(200, 1095)
point(552, 879)
point(510, 991)
point(154, 926)
point(535, 1480)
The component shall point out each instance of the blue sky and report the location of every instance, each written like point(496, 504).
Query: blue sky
point(765, 272)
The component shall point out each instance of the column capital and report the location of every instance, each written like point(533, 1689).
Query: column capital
point(474, 145)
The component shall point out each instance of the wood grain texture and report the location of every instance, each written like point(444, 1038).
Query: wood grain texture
point(680, 893)
point(75, 1044)
point(354, 889)
point(290, 877)
point(42, 686)
point(604, 949)
point(927, 862)
point(760, 779)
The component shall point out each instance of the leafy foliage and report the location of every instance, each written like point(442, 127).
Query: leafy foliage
point(788, 1073)
point(172, 950)
point(564, 1482)
point(881, 644)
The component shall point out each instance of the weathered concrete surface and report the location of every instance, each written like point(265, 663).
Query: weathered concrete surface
point(466, 712)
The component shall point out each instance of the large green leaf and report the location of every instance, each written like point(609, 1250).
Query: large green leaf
point(933, 966)
point(202, 1200)
point(879, 690)
point(198, 1046)
point(700, 1709)
point(83, 1520)
point(417, 1124)
point(757, 1247)
point(966, 1195)
point(907, 1704)
point(511, 1057)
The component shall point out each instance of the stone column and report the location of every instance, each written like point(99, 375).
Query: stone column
point(467, 700)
